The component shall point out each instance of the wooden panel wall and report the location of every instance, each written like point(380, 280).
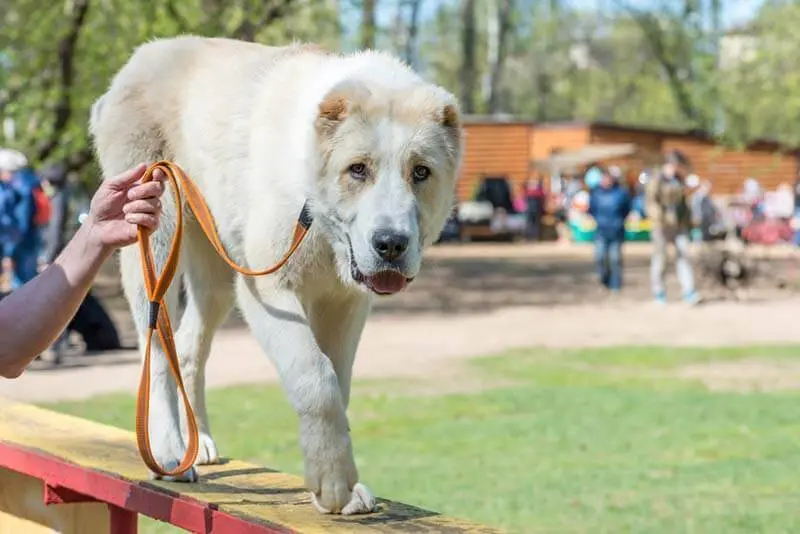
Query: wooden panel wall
point(506, 149)
point(547, 138)
point(728, 169)
point(649, 144)
point(494, 149)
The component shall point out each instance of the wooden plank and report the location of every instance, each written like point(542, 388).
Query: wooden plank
point(494, 150)
point(727, 168)
point(22, 510)
point(102, 462)
point(544, 140)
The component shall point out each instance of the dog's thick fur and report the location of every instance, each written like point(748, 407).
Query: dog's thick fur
point(263, 130)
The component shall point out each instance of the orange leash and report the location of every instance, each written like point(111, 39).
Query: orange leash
point(157, 286)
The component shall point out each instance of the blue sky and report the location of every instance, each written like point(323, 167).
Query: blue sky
point(736, 11)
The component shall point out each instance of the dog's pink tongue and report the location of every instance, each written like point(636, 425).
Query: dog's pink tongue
point(387, 282)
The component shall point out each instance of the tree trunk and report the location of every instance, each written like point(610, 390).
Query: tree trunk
point(675, 60)
point(544, 84)
point(468, 59)
point(716, 37)
point(398, 30)
point(67, 47)
point(413, 31)
point(716, 17)
point(368, 24)
point(252, 24)
point(503, 10)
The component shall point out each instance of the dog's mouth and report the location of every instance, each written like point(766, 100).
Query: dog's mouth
point(383, 282)
point(386, 282)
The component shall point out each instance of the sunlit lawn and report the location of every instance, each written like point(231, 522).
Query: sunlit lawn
point(566, 441)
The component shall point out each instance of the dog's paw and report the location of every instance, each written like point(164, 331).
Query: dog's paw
point(207, 454)
point(188, 476)
point(330, 486)
point(334, 489)
point(330, 469)
point(361, 502)
point(331, 475)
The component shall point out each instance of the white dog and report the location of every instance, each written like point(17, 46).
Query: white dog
point(371, 147)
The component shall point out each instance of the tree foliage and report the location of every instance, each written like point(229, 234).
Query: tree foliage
point(53, 69)
point(662, 63)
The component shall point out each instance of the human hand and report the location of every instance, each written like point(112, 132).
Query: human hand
point(122, 204)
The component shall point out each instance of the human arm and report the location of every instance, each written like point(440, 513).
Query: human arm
point(651, 204)
point(696, 208)
point(627, 204)
point(33, 316)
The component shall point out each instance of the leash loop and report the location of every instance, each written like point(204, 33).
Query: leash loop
point(159, 323)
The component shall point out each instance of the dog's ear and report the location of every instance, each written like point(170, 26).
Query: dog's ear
point(447, 115)
point(334, 108)
point(338, 104)
point(450, 117)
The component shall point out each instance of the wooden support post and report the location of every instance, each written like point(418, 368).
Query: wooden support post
point(23, 511)
point(123, 521)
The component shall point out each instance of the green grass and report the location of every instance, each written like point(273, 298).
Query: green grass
point(595, 441)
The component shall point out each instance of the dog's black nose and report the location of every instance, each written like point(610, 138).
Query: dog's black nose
point(389, 245)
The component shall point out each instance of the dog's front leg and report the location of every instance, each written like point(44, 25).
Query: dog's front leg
point(337, 324)
point(279, 322)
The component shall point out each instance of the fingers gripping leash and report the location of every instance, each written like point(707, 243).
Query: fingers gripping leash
point(157, 285)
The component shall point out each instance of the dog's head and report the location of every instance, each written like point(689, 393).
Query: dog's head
point(388, 161)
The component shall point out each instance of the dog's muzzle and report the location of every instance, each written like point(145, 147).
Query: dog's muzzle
point(383, 282)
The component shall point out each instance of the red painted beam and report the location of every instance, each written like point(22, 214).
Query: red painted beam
point(70, 481)
point(122, 521)
point(54, 494)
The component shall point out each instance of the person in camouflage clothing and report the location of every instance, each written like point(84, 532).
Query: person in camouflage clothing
point(668, 210)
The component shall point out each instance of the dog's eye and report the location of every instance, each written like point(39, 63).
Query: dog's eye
point(358, 171)
point(421, 173)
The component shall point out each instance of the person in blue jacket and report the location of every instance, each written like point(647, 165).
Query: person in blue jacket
point(609, 205)
point(25, 249)
point(9, 232)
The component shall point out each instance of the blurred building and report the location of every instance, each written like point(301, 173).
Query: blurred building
point(519, 149)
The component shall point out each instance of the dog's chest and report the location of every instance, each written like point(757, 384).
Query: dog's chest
point(314, 267)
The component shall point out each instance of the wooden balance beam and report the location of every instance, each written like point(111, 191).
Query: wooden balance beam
point(76, 476)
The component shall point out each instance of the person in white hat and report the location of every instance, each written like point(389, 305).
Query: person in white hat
point(33, 316)
point(22, 240)
point(12, 160)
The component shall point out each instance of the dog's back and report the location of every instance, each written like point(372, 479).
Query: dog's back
point(149, 111)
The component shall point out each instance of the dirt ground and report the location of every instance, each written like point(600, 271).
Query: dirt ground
point(474, 300)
